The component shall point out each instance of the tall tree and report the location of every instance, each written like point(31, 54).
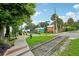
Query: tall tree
point(30, 26)
point(54, 18)
point(70, 21)
point(60, 24)
point(15, 13)
point(43, 24)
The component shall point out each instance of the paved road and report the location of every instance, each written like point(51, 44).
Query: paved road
point(70, 34)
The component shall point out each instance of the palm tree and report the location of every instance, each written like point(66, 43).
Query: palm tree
point(54, 19)
point(60, 24)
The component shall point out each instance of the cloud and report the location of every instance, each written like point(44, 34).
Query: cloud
point(64, 18)
point(37, 13)
point(69, 14)
point(76, 6)
point(35, 22)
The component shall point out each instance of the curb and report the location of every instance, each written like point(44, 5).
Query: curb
point(13, 50)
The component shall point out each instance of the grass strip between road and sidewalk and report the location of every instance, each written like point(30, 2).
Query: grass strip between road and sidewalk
point(38, 39)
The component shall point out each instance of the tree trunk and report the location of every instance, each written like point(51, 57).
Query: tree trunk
point(56, 25)
point(60, 28)
point(7, 31)
point(1, 32)
point(15, 30)
point(54, 28)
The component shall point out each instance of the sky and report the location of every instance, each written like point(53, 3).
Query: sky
point(63, 10)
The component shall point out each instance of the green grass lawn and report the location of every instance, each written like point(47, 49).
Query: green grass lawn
point(38, 39)
point(72, 49)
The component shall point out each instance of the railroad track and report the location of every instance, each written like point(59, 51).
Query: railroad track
point(47, 48)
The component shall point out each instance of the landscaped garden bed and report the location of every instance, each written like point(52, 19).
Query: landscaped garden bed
point(35, 40)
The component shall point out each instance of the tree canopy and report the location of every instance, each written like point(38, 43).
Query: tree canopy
point(70, 21)
point(15, 13)
point(54, 16)
point(43, 24)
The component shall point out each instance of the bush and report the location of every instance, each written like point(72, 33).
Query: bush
point(20, 32)
point(1, 42)
point(70, 28)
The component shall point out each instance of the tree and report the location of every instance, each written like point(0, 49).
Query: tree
point(76, 24)
point(28, 21)
point(43, 24)
point(70, 21)
point(30, 26)
point(60, 24)
point(70, 25)
point(14, 14)
point(54, 18)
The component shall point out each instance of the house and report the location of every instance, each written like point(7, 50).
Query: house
point(49, 28)
point(42, 30)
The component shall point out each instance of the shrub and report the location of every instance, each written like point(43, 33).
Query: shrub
point(69, 28)
point(20, 32)
point(1, 42)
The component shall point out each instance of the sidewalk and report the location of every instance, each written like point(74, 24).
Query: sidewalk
point(20, 47)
